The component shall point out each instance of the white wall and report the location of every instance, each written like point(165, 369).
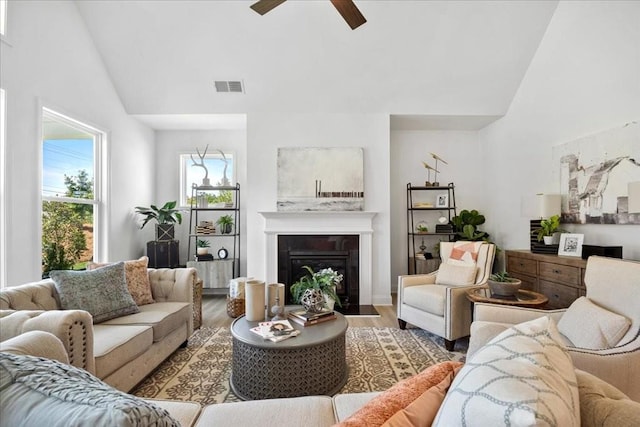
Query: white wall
point(461, 150)
point(49, 58)
point(266, 132)
point(584, 79)
point(169, 146)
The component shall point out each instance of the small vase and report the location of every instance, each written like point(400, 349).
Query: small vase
point(312, 300)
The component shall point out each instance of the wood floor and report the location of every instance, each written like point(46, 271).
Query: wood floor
point(214, 314)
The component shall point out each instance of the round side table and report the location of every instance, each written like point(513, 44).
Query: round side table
point(523, 298)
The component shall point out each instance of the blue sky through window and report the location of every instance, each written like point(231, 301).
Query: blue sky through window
point(64, 156)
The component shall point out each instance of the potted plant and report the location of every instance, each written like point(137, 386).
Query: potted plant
point(166, 217)
point(226, 224)
point(547, 229)
point(504, 285)
point(202, 246)
point(315, 288)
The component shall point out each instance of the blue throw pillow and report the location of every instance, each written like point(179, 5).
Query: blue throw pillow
point(43, 392)
point(102, 292)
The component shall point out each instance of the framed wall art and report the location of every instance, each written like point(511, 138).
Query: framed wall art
point(571, 244)
point(320, 179)
point(442, 201)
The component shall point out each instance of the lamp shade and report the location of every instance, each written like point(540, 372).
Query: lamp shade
point(549, 205)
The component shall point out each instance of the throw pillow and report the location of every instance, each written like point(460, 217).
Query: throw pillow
point(102, 292)
point(386, 404)
point(522, 377)
point(449, 274)
point(43, 392)
point(464, 252)
point(137, 279)
point(588, 325)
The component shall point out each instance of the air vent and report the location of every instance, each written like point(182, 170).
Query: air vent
point(229, 86)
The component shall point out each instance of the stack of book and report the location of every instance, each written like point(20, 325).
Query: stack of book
point(276, 330)
point(205, 227)
point(207, 257)
point(305, 318)
point(444, 228)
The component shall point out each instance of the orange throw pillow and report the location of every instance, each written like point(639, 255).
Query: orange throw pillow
point(137, 279)
point(385, 405)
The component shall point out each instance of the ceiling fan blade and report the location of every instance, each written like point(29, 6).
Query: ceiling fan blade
point(264, 6)
point(349, 12)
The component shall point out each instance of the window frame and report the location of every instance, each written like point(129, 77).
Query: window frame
point(100, 178)
point(184, 160)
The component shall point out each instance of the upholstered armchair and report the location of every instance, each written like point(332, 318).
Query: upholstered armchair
point(613, 290)
point(437, 301)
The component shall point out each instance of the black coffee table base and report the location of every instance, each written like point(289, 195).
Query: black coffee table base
point(271, 373)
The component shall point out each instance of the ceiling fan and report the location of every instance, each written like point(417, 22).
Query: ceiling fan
point(346, 8)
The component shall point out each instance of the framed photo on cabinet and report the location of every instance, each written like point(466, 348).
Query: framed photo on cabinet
point(571, 244)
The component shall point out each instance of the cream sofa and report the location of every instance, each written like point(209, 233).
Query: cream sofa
point(120, 351)
point(601, 404)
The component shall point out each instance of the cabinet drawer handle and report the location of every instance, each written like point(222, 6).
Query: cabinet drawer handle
point(556, 271)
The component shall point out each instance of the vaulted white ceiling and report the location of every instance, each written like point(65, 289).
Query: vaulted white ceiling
point(413, 58)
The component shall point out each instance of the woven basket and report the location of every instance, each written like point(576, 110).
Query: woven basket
point(235, 306)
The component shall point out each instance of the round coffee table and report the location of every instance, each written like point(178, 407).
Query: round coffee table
point(312, 363)
point(523, 298)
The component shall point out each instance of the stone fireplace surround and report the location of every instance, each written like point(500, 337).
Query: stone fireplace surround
point(322, 223)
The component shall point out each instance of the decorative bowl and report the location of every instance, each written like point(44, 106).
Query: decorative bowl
point(506, 289)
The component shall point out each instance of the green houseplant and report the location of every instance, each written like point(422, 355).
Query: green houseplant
point(202, 246)
point(315, 286)
point(165, 216)
point(503, 284)
point(226, 224)
point(548, 227)
point(466, 225)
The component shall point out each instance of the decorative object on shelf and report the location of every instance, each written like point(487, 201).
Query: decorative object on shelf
point(223, 253)
point(205, 180)
point(504, 285)
point(547, 229)
point(254, 300)
point(435, 179)
point(422, 227)
point(323, 282)
point(226, 224)
point(428, 183)
point(166, 217)
point(571, 244)
point(443, 219)
point(442, 201)
point(202, 246)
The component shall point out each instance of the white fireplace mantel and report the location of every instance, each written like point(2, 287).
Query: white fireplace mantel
point(321, 222)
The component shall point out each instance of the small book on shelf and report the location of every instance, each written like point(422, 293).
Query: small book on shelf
point(315, 321)
point(276, 330)
point(306, 315)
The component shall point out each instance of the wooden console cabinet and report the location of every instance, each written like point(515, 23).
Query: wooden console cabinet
point(560, 278)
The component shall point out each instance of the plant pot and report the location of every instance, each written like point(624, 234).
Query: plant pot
point(548, 240)
point(226, 228)
point(505, 289)
point(202, 251)
point(165, 232)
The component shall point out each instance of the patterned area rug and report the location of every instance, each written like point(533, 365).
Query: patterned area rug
point(377, 359)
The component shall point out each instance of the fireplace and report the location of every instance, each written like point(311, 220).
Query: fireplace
point(338, 252)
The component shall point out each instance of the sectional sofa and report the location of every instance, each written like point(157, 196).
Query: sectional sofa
point(121, 351)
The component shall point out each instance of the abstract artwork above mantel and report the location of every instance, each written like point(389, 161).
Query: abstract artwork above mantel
point(594, 173)
point(320, 179)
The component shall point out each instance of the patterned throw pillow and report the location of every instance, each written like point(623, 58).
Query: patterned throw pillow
point(522, 377)
point(137, 279)
point(102, 292)
point(464, 252)
point(44, 392)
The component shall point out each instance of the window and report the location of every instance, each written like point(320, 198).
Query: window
point(3, 202)
point(220, 171)
point(72, 199)
point(3, 17)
